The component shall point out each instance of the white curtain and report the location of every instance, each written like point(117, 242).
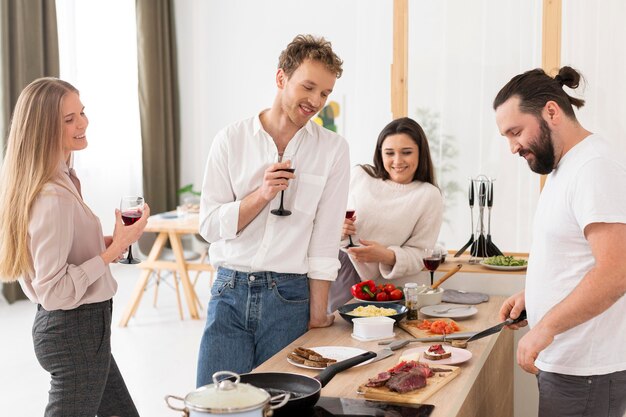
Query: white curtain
point(460, 54)
point(592, 42)
point(98, 55)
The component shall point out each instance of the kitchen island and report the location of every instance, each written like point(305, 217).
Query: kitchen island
point(484, 386)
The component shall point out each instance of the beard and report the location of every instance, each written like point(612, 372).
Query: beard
point(543, 150)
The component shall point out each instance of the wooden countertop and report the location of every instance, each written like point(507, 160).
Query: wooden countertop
point(484, 386)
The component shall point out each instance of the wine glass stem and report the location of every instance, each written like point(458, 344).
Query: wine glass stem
point(282, 194)
point(432, 276)
point(129, 257)
point(351, 243)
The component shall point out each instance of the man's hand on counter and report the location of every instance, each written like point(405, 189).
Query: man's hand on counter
point(318, 293)
point(323, 320)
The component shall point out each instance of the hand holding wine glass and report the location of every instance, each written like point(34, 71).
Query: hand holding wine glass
point(281, 211)
point(432, 260)
point(349, 226)
point(132, 210)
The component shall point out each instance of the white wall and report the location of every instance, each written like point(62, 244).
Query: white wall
point(228, 53)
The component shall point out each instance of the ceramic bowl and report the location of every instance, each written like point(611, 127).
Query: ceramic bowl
point(430, 299)
point(401, 309)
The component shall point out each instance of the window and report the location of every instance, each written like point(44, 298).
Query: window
point(98, 55)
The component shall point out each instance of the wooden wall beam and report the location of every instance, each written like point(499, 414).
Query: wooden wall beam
point(551, 43)
point(400, 65)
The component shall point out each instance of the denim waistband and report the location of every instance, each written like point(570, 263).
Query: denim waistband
point(101, 305)
point(257, 277)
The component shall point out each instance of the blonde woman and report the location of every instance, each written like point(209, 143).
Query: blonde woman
point(54, 242)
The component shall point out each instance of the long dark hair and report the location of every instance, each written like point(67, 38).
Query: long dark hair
point(535, 88)
point(425, 171)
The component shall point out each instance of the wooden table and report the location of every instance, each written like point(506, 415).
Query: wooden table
point(484, 386)
point(172, 230)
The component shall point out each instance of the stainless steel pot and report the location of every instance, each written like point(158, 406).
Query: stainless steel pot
point(228, 397)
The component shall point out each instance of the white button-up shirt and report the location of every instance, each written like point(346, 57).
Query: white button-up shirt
point(305, 242)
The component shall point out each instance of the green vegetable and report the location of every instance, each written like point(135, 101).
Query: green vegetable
point(505, 261)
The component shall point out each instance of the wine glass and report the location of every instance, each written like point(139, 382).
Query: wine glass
point(281, 211)
point(349, 215)
point(432, 260)
point(131, 208)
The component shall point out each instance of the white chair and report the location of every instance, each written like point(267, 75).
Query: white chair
point(145, 243)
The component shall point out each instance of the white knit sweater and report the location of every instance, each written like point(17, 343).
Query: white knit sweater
point(405, 218)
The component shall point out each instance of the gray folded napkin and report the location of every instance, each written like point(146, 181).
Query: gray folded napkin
point(458, 297)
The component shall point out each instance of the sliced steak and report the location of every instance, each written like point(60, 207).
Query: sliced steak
point(406, 381)
point(379, 381)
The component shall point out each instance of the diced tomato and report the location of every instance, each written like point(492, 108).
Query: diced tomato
point(424, 325)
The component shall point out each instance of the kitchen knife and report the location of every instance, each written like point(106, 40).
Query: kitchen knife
point(386, 352)
point(498, 327)
point(402, 343)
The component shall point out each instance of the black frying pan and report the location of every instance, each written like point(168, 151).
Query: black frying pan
point(305, 390)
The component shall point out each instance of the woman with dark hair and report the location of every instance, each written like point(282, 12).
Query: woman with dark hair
point(398, 211)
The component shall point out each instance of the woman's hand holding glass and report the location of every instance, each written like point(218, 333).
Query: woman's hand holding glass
point(124, 236)
point(371, 251)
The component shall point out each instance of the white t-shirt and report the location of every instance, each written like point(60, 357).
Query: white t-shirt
point(305, 242)
point(405, 218)
point(588, 186)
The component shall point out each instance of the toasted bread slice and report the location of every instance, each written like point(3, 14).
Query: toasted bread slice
point(436, 356)
point(308, 354)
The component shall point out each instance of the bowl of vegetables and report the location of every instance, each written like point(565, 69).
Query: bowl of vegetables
point(372, 309)
point(505, 263)
point(382, 293)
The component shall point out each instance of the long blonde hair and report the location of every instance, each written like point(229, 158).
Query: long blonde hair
point(34, 151)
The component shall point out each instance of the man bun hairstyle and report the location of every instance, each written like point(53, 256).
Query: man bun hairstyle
point(535, 88)
point(304, 47)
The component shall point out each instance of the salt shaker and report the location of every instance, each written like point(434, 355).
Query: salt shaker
point(410, 297)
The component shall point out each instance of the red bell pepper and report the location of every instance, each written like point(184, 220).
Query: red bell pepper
point(365, 290)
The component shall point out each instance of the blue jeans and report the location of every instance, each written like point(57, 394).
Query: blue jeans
point(251, 316)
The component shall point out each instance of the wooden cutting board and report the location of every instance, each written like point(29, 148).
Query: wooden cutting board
point(433, 384)
point(418, 333)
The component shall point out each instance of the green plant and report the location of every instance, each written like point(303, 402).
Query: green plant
point(187, 189)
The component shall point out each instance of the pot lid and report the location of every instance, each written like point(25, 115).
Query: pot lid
point(226, 396)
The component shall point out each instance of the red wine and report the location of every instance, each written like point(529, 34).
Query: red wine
point(292, 170)
point(432, 263)
point(130, 217)
point(349, 214)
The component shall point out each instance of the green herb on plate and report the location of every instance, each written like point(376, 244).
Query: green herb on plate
point(505, 261)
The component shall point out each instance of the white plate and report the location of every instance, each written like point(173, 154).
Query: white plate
point(457, 313)
point(458, 355)
point(503, 268)
point(339, 353)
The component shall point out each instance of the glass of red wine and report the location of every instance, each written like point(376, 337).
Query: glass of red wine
point(432, 259)
point(349, 215)
point(131, 208)
point(281, 211)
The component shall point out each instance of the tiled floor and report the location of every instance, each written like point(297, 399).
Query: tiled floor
point(156, 353)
